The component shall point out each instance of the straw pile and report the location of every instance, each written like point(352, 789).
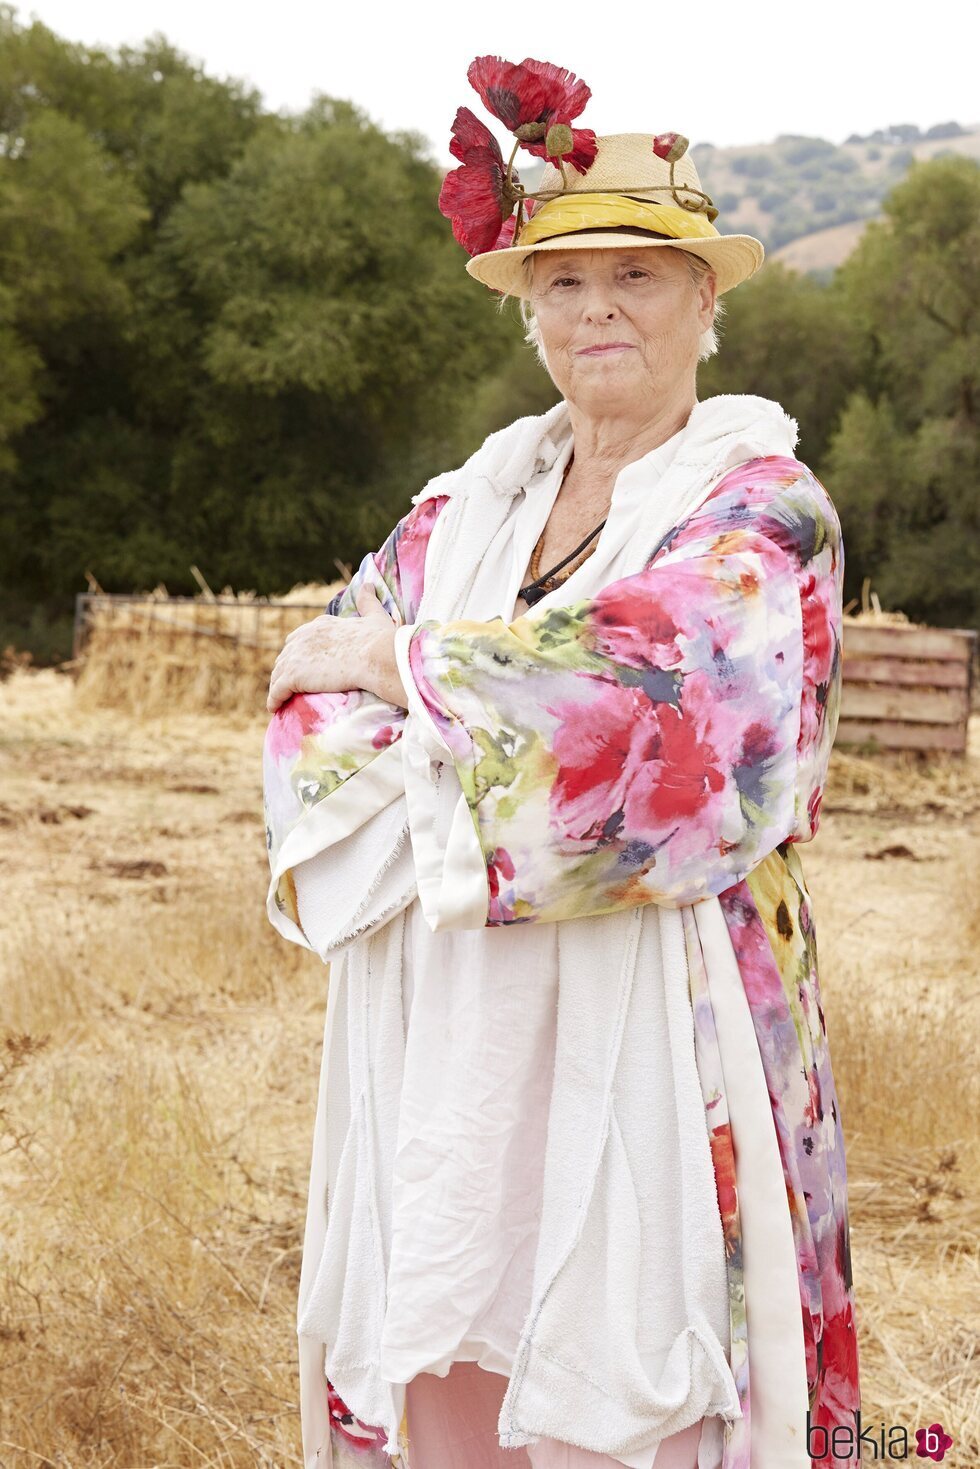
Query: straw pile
point(203, 654)
point(871, 610)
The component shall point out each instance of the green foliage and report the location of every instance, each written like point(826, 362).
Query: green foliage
point(867, 467)
point(912, 285)
point(243, 340)
point(227, 338)
point(797, 151)
point(786, 337)
point(904, 463)
point(901, 160)
point(520, 387)
point(753, 165)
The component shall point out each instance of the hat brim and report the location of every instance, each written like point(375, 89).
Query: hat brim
point(733, 258)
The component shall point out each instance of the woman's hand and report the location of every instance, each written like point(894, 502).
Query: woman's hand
point(333, 654)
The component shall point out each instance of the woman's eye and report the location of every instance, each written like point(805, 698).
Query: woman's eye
point(564, 282)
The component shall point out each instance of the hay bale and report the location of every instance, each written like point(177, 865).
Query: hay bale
point(157, 654)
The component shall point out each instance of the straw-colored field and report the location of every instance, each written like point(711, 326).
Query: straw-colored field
point(158, 1085)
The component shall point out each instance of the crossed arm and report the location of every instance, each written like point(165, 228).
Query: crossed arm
point(652, 742)
point(336, 654)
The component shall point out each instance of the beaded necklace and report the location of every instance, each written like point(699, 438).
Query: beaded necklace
point(545, 582)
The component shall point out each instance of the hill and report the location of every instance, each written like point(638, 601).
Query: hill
point(807, 199)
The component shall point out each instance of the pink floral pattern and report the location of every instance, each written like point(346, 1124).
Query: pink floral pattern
point(654, 742)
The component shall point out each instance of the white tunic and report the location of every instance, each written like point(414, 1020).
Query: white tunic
point(479, 1009)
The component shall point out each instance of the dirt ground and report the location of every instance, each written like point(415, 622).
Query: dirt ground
point(161, 1048)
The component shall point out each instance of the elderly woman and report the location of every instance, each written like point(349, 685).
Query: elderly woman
point(534, 788)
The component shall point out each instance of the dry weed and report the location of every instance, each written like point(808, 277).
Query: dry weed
point(155, 1176)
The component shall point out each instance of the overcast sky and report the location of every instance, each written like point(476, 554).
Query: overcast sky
point(727, 74)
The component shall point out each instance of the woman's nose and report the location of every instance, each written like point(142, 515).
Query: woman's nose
point(600, 304)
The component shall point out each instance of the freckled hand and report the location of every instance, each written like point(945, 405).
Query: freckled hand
point(334, 654)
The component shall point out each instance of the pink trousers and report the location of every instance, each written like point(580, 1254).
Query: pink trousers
point(452, 1424)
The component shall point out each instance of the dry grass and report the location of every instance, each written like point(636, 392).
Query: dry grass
point(156, 1154)
point(155, 1130)
point(145, 1294)
point(154, 1139)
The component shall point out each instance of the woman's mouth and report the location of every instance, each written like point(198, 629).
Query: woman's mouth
point(605, 347)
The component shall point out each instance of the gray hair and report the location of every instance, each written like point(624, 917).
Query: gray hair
point(698, 270)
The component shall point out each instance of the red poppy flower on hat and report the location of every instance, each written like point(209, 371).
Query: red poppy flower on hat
point(533, 97)
point(477, 197)
point(506, 237)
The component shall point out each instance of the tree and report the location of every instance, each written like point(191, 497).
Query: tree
point(94, 149)
point(787, 337)
point(911, 284)
point(227, 338)
point(341, 342)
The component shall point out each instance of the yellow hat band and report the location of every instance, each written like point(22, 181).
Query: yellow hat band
point(569, 212)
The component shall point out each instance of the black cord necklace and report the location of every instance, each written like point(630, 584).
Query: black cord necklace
point(535, 590)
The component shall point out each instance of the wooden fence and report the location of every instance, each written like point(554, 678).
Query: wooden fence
point(906, 688)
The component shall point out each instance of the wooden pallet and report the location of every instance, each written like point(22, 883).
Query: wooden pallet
point(906, 688)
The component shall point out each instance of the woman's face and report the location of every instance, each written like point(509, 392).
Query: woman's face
point(619, 325)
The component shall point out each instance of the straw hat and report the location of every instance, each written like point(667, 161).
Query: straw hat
point(628, 197)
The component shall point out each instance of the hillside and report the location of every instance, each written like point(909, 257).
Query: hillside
point(806, 199)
